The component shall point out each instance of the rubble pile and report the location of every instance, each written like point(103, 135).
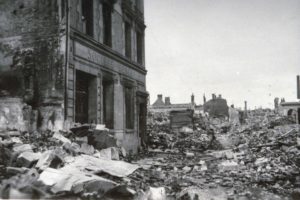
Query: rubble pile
point(263, 155)
point(162, 137)
point(263, 161)
point(62, 164)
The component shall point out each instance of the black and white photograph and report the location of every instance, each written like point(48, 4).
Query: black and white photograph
point(150, 99)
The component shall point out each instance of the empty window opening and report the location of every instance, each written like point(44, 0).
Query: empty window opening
point(129, 107)
point(87, 17)
point(108, 103)
point(127, 40)
point(290, 112)
point(139, 47)
point(106, 10)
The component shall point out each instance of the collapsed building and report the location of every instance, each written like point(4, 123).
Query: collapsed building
point(81, 61)
point(290, 109)
point(216, 107)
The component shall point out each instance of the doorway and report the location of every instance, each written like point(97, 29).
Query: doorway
point(85, 98)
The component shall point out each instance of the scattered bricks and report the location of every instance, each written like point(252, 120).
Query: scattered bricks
point(81, 140)
point(72, 149)
point(26, 159)
point(49, 159)
point(155, 194)
point(16, 170)
point(87, 149)
point(187, 169)
point(228, 165)
point(22, 148)
point(81, 131)
point(261, 161)
point(102, 139)
point(111, 153)
point(61, 138)
point(189, 154)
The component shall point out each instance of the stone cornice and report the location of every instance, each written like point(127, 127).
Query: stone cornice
point(107, 51)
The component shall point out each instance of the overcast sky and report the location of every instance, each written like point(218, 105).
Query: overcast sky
point(242, 49)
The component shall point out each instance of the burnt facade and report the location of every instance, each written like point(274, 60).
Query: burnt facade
point(77, 61)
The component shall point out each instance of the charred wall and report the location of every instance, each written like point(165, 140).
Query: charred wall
point(31, 64)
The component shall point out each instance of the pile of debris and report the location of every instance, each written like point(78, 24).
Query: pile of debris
point(263, 161)
point(263, 154)
point(83, 162)
point(200, 136)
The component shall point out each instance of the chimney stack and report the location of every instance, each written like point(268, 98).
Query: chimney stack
point(214, 96)
point(298, 87)
point(193, 99)
point(167, 101)
point(220, 96)
point(245, 109)
point(204, 99)
point(159, 96)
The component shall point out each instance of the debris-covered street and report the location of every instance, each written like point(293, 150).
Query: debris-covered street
point(108, 99)
point(213, 159)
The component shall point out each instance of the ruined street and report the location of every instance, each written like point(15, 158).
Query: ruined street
point(150, 99)
point(211, 159)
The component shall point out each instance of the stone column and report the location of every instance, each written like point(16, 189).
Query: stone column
point(118, 108)
point(100, 99)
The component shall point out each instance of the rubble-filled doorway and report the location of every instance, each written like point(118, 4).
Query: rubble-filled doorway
point(85, 98)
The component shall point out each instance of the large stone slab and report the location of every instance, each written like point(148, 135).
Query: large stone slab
point(87, 163)
point(72, 180)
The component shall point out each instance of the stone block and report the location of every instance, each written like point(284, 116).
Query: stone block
point(26, 159)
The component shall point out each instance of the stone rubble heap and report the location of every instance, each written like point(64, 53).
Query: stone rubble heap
point(214, 159)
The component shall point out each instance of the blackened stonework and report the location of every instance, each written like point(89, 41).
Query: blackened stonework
point(48, 46)
point(31, 58)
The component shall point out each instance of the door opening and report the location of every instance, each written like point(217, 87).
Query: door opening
point(85, 98)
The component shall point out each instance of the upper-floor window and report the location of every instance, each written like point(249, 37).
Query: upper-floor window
point(139, 46)
point(87, 17)
point(127, 40)
point(106, 10)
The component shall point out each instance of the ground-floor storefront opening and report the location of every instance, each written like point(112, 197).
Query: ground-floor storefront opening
point(85, 97)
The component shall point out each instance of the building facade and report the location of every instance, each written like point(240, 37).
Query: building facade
point(77, 61)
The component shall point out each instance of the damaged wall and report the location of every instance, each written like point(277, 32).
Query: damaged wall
point(32, 61)
point(102, 49)
point(216, 107)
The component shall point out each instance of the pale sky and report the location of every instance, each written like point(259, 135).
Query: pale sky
point(242, 49)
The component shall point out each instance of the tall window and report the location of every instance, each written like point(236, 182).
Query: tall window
point(139, 46)
point(87, 17)
point(129, 107)
point(106, 10)
point(127, 40)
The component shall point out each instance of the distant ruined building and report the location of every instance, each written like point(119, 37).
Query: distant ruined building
point(216, 107)
point(291, 109)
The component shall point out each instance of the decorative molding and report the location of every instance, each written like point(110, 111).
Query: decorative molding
point(106, 51)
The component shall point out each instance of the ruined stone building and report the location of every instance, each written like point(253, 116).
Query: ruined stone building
point(66, 61)
point(291, 109)
point(216, 106)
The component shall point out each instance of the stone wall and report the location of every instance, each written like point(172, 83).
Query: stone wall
point(31, 53)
